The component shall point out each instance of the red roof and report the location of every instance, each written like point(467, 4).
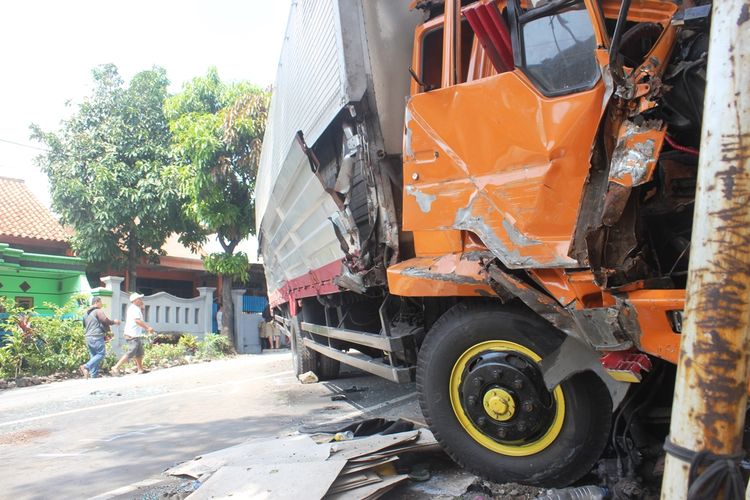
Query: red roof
point(23, 216)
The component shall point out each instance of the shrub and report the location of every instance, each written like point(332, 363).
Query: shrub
point(214, 346)
point(159, 354)
point(189, 343)
point(42, 345)
point(55, 343)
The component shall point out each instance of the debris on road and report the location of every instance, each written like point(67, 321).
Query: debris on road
point(343, 436)
point(308, 378)
point(299, 467)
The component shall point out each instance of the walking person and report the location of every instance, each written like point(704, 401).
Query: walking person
point(96, 326)
point(134, 332)
point(219, 317)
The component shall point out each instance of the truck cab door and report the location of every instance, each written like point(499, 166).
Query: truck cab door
point(506, 156)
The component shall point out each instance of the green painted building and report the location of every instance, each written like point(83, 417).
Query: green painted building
point(33, 279)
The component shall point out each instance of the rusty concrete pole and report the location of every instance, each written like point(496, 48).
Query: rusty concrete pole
point(710, 395)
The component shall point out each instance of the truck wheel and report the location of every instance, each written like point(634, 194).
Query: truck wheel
point(483, 396)
point(328, 369)
point(304, 359)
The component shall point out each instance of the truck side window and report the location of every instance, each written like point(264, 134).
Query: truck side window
point(558, 50)
point(432, 58)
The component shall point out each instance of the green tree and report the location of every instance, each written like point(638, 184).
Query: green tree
point(217, 131)
point(106, 167)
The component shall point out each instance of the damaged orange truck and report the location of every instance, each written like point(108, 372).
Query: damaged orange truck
point(495, 199)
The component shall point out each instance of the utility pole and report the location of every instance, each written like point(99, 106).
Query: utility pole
point(710, 396)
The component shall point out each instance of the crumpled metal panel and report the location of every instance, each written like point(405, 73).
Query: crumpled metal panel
point(496, 158)
point(451, 275)
point(324, 66)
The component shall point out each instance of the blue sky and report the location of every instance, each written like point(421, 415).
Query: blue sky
point(49, 48)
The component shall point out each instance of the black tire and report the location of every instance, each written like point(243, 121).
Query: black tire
point(328, 368)
point(585, 415)
point(306, 360)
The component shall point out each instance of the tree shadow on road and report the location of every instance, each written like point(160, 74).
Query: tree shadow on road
point(141, 452)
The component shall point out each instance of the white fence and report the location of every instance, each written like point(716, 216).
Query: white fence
point(167, 313)
point(163, 312)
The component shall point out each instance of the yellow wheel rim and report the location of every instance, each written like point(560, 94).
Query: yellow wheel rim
point(502, 400)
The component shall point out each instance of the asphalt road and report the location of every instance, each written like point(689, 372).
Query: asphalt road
point(83, 438)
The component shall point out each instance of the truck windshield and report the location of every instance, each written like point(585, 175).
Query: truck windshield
point(558, 48)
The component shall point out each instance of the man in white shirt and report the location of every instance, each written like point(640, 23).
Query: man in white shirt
point(133, 332)
point(219, 317)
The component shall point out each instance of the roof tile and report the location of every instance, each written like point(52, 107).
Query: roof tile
point(23, 216)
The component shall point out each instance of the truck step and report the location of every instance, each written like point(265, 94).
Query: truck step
point(389, 344)
point(365, 363)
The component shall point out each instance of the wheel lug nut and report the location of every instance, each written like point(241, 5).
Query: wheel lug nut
point(501, 433)
point(528, 406)
point(472, 400)
point(478, 381)
point(521, 426)
point(481, 421)
point(496, 374)
point(518, 384)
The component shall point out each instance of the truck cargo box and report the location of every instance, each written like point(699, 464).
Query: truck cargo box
point(339, 58)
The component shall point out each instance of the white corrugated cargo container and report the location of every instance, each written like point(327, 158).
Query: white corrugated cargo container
point(335, 52)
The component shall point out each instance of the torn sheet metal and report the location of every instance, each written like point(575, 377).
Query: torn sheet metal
point(633, 164)
point(638, 148)
point(452, 275)
point(545, 306)
point(603, 328)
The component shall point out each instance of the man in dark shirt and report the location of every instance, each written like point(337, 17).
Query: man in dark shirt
point(96, 326)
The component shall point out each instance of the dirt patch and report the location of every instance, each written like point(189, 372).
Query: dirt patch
point(23, 437)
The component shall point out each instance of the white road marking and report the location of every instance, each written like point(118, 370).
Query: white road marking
point(61, 455)
point(138, 400)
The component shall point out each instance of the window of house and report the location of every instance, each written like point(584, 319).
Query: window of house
point(25, 302)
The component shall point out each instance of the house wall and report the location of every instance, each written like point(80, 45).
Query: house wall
point(52, 289)
point(41, 278)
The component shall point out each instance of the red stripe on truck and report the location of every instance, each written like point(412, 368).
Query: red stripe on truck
point(319, 281)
